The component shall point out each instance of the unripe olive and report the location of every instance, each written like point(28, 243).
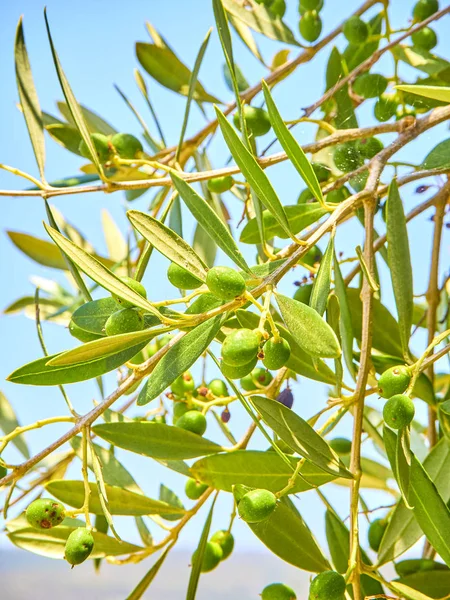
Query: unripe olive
point(312, 257)
point(398, 412)
point(385, 108)
point(276, 353)
point(370, 85)
point(79, 546)
point(256, 119)
point(45, 513)
point(126, 145)
point(237, 372)
point(303, 293)
point(101, 145)
point(305, 196)
point(328, 585)
point(286, 397)
point(125, 320)
point(218, 388)
point(219, 185)
point(394, 381)
point(417, 565)
point(257, 379)
point(211, 557)
point(181, 278)
point(277, 8)
point(346, 157)
point(375, 533)
point(424, 9)
point(136, 286)
point(369, 147)
point(225, 283)
point(242, 83)
point(341, 446)
point(257, 505)
point(193, 421)
point(194, 489)
point(311, 4)
point(240, 347)
point(323, 173)
point(183, 384)
point(425, 38)
point(81, 334)
point(225, 540)
point(179, 408)
point(278, 591)
point(310, 26)
point(355, 30)
point(339, 195)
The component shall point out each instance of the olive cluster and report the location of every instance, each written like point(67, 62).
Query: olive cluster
point(398, 412)
point(123, 145)
point(218, 548)
point(45, 513)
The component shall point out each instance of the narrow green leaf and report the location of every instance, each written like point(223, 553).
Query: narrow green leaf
point(258, 18)
point(299, 217)
point(92, 316)
point(309, 330)
point(98, 272)
point(299, 435)
point(435, 583)
point(156, 440)
point(94, 122)
point(322, 281)
point(72, 103)
point(191, 91)
point(38, 372)
point(145, 582)
point(115, 242)
point(345, 318)
point(252, 171)
point(204, 246)
point(121, 502)
point(438, 157)
point(336, 69)
point(399, 455)
point(429, 91)
point(292, 148)
point(103, 347)
point(168, 243)
point(168, 70)
point(288, 537)
point(9, 422)
point(168, 496)
point(198, 558)
point(180, 358)
point(209, 220)
point(403, 530)
point(246, 36)
point(258, 470)
point(400, 263)
point(29, 101)
point(66, 136)
point(407, 592)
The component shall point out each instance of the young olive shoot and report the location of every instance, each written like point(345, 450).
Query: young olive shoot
point(263, 317)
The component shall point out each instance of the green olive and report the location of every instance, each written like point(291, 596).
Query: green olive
point(102, 147)
point(256, 119)
point(394, 381)
point(45, 513)
point(125, 320)
point(225, 540)
point(194, 489)
point(127, 146)
point(240, 347)
point(355, 30)
point(369, 147)
point(424, 9)
point(276, 353)
point(218, 388)
point(323, 172)
point(219, 185)
point(225, 283)
point(238, 372)
point(425, 38)
point(346, 157)
point(278, 591)
point(183, 384)
point(256, 379)
point(79, 546)
point(370, 85)
point(339, 195)
point(134, 285)
point(303, 293)
point(257, 505)
point(398, 412)
point(310, 26)
point(181, 278)
point(341, 446)
point(375, 533)
point(193, 421)
point(328, 585)
point(385, 108)
point(211, 558)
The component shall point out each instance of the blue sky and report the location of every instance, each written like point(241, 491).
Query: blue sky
point(95, 42)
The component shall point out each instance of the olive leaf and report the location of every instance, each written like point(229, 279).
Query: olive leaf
point(400, 263)
point(429, 91)
point(145, 582)
point(198, 557)
point(322, 281)
point(309, 330)
point(9, 422)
